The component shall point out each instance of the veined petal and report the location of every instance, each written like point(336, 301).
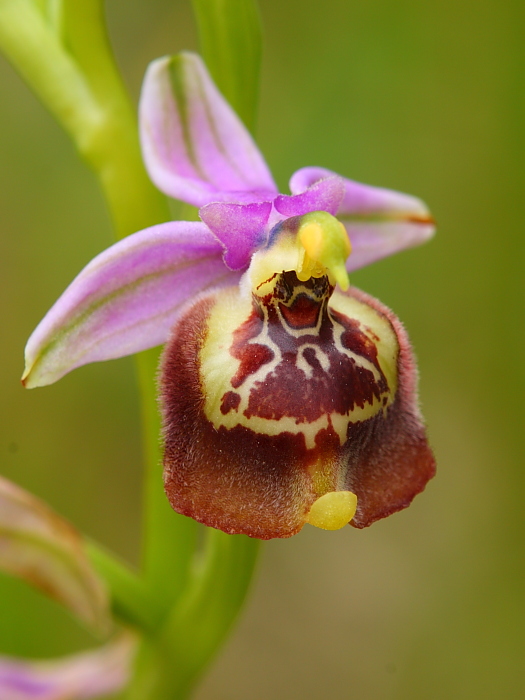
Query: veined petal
point(359, 199)
point(126, 299)
point(40, 547)
point(323, 195)
point(195, 147)
point(239, 227)
point(77, 677)
point(379, 221)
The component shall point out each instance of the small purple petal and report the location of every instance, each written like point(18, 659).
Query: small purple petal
point(126, 300)
point(239, 227)
point(195, 147)
point(379, 222)
point(77, 677)
point(324, 195)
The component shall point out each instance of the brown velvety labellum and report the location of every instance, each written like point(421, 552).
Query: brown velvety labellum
point(271, 402)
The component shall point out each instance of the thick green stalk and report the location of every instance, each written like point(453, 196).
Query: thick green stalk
point(132, 603)
point(203, 616)
point(231, 44)
point(103, 128)
point(172, 661)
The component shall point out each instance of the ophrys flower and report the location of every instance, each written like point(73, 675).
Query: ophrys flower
point(287, 396)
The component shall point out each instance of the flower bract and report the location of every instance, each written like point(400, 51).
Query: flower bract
point(287, 395)
point(90, 674)
point(40, 547)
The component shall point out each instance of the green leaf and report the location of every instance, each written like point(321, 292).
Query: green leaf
point(231, 39)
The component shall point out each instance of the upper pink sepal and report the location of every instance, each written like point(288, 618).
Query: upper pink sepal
point(195, 147)
point(239, 227)
point(379, 221)
point(126, 299)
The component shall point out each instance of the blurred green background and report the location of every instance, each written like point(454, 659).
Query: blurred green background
point(423, 97)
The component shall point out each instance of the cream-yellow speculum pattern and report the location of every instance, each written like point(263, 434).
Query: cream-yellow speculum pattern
point(315, 248)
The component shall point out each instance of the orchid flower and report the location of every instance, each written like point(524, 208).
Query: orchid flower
point(287, 395)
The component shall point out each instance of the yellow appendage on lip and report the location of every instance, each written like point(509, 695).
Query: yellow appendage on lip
point(333, 511)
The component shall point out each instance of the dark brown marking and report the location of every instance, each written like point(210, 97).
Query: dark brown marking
point(252, 358)
point(355, 340)
point(303, 313)
point(230, 402)
point(268, 280)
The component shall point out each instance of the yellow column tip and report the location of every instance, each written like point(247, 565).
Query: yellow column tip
point(333, 511)
point(326, 245)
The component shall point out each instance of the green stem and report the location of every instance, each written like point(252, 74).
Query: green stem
point(103, 129)
point(170, 663)
point(131, 601)
point(204, 616)
point(29, 43)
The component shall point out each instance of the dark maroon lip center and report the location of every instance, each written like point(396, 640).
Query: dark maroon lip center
point(314, 375)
